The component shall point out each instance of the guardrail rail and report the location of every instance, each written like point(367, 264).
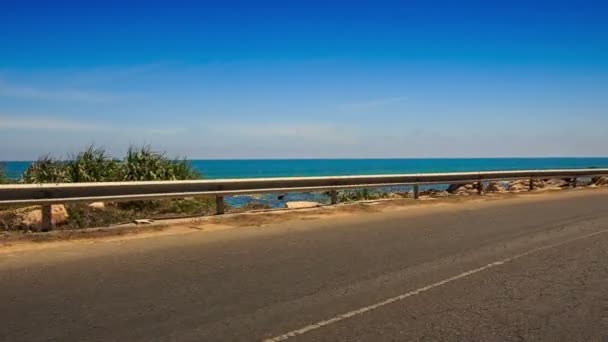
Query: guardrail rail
point(48, 194)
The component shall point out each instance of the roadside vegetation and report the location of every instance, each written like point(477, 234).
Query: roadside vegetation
point(94, 164)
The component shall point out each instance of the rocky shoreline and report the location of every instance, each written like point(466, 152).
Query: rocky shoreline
point(515, 186)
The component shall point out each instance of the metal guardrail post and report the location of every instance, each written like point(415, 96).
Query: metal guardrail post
point(416, 191)
point(480, 188)
point(531, 186)
point(219, 205)
point(47, 218)
point(334, 196)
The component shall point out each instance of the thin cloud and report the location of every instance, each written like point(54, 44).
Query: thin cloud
point(165, 131)
point(290, 132)
point(371, 104)
point(49, 124)
point(19, 122)
point(112, 73)
point(31, 93)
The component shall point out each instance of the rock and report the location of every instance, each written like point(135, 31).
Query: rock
point(453, 188)
point(31, 217)
point(434, 193)
point(462, 189)
point(495, 187)
point(524, 185)
point(599, 181)
point(556, 183)
point(97, 205)
point(301, 204)
point(517, 187)
point(441, 194)
point(143, 221)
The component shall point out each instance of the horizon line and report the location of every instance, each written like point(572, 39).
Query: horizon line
point(352, 158)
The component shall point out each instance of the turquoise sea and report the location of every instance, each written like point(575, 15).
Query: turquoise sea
point(215, 169)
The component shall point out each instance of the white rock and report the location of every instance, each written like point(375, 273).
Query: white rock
point(301, 204)
point(97, 205)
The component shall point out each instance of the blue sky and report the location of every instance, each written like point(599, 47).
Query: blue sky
point(287, 80)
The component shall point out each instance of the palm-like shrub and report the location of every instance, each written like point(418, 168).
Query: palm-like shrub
point(46, 169)
point(95, 165)
point(143, 164)
point(92, 165)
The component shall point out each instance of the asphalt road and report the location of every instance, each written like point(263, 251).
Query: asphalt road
point(512, 270)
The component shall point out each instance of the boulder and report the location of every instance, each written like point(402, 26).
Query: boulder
point(453, 188)
point(599, 181)
point(97, 205)
point(31, 217)
point(524, 185)
point(441, 194)
point(462, 189)
point(495, 187)
point(434, 193)
point(301, 204)
point(518, 186)
point(557, 183)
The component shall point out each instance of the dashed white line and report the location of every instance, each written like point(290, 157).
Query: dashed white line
point(391, 300)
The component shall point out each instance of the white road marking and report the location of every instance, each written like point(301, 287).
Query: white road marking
point(350, 314)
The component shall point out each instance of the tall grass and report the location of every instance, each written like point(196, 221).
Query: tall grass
point(46, 169)
point(92, 165)
point(143, 164)
point(96, 165)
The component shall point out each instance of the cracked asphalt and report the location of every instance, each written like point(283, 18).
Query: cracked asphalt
point(251, 284)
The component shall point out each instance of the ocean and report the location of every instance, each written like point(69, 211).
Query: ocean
point(218, 169)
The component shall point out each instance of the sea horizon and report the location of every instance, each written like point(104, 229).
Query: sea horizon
point(292, 167)
point(344, 158)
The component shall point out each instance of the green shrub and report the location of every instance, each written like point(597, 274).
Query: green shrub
point(143, 164)
point(361, 194)
point(46, 169)
point(95, 165)
point(92, 165)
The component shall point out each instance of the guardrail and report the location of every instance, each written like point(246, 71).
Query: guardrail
point(47, 194)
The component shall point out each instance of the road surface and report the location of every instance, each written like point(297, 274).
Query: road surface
point(528, 269)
